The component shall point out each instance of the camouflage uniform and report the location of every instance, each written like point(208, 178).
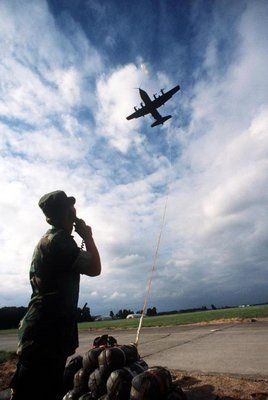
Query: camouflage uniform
point(48, 332)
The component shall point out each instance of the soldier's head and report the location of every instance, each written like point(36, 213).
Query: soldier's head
point(58, 208)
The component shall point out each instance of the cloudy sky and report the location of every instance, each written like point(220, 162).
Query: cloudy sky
point(68, 72)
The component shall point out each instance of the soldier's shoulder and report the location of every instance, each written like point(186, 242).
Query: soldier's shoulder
point(51, 237)
point(58, 238)
point(55, 234)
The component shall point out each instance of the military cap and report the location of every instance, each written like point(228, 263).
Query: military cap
point(55, 202)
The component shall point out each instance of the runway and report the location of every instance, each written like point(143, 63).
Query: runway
point(235, 349)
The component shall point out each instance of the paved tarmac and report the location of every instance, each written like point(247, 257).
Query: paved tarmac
point(234, 349)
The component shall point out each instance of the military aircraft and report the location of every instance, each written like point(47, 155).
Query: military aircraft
point(150, 106)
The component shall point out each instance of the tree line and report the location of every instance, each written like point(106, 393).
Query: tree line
point(121, 314)
point(11, 316)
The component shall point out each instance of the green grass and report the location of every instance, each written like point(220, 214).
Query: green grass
point(7, 355)
point(173, 319)
point(181, 319)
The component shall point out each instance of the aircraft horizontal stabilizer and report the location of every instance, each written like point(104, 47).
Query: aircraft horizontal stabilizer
point(161, 120)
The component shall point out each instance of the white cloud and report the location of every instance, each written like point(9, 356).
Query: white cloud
point(115, 295)
point(116, 99)
point(69, 85)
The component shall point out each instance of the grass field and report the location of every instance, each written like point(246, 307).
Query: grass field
point(173, 319)
point(181, 319)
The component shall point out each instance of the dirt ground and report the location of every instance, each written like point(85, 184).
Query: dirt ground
point(6, 371)
point(221, 387)
point(195, 386)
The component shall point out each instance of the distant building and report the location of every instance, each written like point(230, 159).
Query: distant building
point(130, 316)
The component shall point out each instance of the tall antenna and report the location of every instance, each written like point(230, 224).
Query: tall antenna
point(152, 273)
point(156, 253)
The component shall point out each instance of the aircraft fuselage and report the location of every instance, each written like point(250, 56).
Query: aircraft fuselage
point(145, 97)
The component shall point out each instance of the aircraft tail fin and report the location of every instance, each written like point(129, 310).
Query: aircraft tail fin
point(161, 120)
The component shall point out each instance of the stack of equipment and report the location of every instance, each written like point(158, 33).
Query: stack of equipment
point(110, 371)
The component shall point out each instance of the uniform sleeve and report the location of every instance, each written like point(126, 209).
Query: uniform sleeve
point(64, 249)
point(82, 262)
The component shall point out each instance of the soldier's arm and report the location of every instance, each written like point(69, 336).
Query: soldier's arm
point(88, 262)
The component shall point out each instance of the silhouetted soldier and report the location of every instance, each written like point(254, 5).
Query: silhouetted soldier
point(48, 332)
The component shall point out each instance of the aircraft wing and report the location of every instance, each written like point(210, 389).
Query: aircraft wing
point(139, 113)
point(163, 98)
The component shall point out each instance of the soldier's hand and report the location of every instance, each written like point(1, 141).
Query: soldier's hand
point(82, 229)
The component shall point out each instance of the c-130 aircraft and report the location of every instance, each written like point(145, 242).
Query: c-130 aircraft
point(150, 106)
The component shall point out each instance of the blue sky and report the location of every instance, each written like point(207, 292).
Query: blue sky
point(69, 70)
